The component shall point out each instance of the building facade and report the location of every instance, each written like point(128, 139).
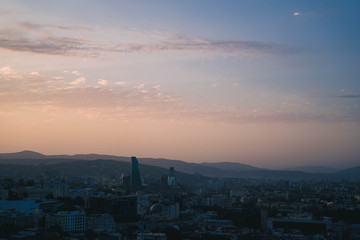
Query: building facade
point(73, 221)
point(135, 175)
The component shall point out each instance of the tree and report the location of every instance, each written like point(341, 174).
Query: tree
point(7, 229)
point(90, 234)
point(172, 233)
point(67, 207)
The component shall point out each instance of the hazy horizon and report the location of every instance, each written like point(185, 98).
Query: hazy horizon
point(269, 84)
point(335, 167)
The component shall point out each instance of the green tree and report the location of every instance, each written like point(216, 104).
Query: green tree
point(90, 234)
point(67, 207)
point(172, 233)
point(7, 229)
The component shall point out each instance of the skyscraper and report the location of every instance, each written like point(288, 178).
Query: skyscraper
point(135, 175)
point(126, 183)
point(172, 177)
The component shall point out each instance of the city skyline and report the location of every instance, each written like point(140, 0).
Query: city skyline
point(266, 84)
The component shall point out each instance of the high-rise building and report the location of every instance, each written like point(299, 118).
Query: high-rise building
point(164, 180)
point(126, 183)
point(264, 218)
point(135, 175)
point(172, 177)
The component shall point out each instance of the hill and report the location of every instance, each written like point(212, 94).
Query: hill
point(93, 168)
point(313, 169)
point(220, 169)
point(232, 166)
point(22, 155)
point(349, 174)
point(181, 166)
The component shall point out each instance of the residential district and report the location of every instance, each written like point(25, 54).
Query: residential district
point(142, 207)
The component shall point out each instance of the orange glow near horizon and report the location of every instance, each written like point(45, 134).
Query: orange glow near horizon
point(258, 84)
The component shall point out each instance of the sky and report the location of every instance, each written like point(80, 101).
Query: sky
point(272, 84)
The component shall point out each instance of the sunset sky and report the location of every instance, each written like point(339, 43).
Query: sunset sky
point(272, 84)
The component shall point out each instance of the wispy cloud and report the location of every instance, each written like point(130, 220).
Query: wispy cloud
point(78, 81)
point(236, 48)
point(102, 81)
point(33, 90)
point(156, 87)
point(342, 95)
point(120, 83)
point(76, 72)
point(37, 27)
point(50, 45)
point(348, 96)
point(46, 39)
point(139, 86)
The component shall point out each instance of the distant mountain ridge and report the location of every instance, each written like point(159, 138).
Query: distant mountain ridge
point(27, 154)
point(232, 166)
point(92, 168)
point(313, 169)
point(219, 169)
point(203, 169)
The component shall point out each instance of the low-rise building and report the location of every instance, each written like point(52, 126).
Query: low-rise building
point(20, 206)
point(100, 222)
point(151, 236)
point(73, 221)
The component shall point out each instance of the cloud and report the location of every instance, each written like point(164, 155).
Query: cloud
point(348, 96)
point(37, 27)
point(157, 87)
point(6, 70)
point(102, 81)
point(29, 26)
point(234, 48)
point(76, 72)
point(139, 86)
point(35, 92)
point(23, 90)
point(297, 14)
point(213, 85)
point(338, 96)
point(78, 81)
point(49, 45)
point(72, 28)
point(46, 39)
point(120, 83)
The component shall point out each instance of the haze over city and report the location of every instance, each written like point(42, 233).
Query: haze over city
point(271, 84)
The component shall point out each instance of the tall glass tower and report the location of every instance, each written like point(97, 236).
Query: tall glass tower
point(135, 175)
point(172, 177)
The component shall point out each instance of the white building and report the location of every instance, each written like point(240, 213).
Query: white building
point(69, 221)
point(167, 211)
point(57, 188)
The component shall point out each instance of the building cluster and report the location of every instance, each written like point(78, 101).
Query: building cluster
point(135, 206)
